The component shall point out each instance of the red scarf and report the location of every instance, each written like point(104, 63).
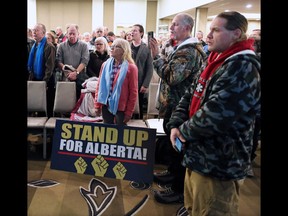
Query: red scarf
point(215, 60)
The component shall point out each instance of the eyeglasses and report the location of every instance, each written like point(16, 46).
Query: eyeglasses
point(98, 44)
point(116, 46)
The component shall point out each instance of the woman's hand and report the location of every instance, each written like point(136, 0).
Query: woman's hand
point(126, 119)
point(98, 111)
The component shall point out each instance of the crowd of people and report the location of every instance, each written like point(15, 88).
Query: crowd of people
point(209, 97)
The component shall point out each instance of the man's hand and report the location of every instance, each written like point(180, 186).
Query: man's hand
point(72, 75)
point(175, 133)
point(154, 47)
point(143, 89)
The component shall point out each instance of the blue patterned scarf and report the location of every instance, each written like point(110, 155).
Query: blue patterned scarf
point(36, 64)
point(105, 83)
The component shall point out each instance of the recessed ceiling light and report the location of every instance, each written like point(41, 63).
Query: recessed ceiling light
point(248, 5)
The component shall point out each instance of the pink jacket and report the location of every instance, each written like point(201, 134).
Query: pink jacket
point(129, 90)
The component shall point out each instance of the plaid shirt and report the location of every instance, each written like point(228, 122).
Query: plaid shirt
point(112, 77)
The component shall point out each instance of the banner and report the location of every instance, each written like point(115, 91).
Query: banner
point(105, 150)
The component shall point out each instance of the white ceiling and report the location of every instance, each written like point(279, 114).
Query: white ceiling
point(218, 6)
point(237, 5)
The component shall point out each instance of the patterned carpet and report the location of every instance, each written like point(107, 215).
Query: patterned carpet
point(60, 193)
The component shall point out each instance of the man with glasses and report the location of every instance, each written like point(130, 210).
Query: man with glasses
point(116, 90)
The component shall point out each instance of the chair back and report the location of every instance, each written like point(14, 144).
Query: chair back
point(65, 97)
point(36, 102)
point(36, 96)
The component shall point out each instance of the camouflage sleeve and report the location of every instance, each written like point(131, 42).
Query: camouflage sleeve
point(181, 113)
point(177, 66)
point(231, 96)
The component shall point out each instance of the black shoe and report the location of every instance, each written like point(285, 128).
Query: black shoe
point(182, 211)
point(163, 177)
point(164, 186)
point(168, 196)
point(161, 173)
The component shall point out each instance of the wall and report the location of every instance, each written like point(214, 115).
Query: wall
point(55, 13)
point(31, 13)
point(91, 13)
point(253, 25)
point(97, 13)
point(109, 15)
point(167, 8)
point(128, 13)
point(151, 16)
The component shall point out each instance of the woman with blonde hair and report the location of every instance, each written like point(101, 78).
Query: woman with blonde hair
point(117, 88)
point(98, 56)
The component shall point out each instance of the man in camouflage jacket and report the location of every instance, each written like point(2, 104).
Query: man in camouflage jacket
point(177, 71)
point(215, 120)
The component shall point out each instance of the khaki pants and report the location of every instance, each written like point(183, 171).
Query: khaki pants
point(205, 196)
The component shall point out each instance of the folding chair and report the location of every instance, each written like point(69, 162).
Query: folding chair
point(36, 102)
point(65, 100)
